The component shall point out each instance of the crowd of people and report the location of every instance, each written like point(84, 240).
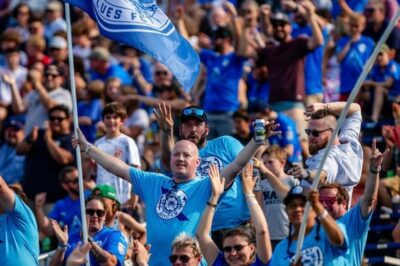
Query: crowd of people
point(176, 177)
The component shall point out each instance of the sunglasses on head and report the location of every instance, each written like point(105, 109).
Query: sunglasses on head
point(315, 133)
point(99, 213)
point(193, 111)
point(182, 258)
point(56, 118)
point(237, 248)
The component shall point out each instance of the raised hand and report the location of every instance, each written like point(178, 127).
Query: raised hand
point(78, 255)
point(9, 79)
point(40, 199)
point(140, 253)
point(376, 157)
point(164, 118)
point(248, 181)
point(271, 129)
point(61, 234)
point(311, 109)
point(217, 183)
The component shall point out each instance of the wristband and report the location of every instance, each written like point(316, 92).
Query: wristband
point(63, 246)
point(323, 215)
point(249, 195)
point(88, 146)
point(211, 205)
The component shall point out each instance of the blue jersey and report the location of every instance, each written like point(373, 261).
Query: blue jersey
point(257, 91)
point(68, 212)
point(288, 136)
point(356, 5)
point(171, 208)
point(220, 261)
point(392, 70)
point(11, 164)
point(313, 62)
point(314, 252)
point(353, 63)
point(223, 75)
point(358, 233)
point(232, 209)
point(113, 71)
point(91, 109)
point(111, 240)
point(19, 237)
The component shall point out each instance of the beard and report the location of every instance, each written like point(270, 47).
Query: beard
point(200, 142)
point(314, 148)
point(74, 191)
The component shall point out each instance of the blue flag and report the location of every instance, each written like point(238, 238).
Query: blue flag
point(141, 24)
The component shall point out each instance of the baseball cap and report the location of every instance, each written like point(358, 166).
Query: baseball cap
point(193, 112)
point(58, 43)
point(221, 32)
point(100, 53)
point(106, 191)
point(14, 124)
point(296, 192)
point(280, 16)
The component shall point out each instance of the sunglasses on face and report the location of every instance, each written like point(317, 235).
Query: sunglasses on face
point(74, 181)
point(159, 73)
point(278, 24)
point(51, 75)
point(193, 111)
point(182, 258)
point(237, 248)
point(315, 133)
point(329, 201)
point(99, 213)
point(56, 118)
point(369, 10)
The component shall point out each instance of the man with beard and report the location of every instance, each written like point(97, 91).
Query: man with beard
point(344, 162)
point(66, 211)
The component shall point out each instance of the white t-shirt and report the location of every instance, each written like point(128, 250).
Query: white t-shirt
point(124, 148)
point(141, 119)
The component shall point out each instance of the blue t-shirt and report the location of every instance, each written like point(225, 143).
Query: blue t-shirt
point(314, 252)
point(223, 75)
point(353, 63)
point(356, 5)
point(288, 136)
point(392, 70)
point(232, 209)
point(220, 261)
point(19, 237)
point(358, 233)
point(91, 109)
point(113, 71)
point(111, 240)
point(68, 212)
point(171, 208)
point(257, 91)
point(313, 62)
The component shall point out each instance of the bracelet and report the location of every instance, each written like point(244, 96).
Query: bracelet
point(211, 205)
point(375, 170)
point(323, 215)
point(249, 195)
point(63, 246)
point(88, 146)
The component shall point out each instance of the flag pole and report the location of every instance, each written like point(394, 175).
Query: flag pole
point(75, 117)
point(353, 94)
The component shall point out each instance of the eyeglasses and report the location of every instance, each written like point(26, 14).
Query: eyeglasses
point(329, 201)
point(69, 181)
point(193, 111)
point(159, 73)
point(237, 248)
point(99, 213)
point(182, 258)
point(315, 133)
point(56, 118)
point(51, 75)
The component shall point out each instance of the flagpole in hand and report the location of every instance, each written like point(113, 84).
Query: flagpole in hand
point(76, 124)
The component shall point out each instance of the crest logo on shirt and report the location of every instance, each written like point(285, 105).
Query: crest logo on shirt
point(206, 162)
point(362, 48)
point(171, 204)
point(312, 256)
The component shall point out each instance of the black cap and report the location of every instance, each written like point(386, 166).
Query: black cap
point(221, 32)
point(14, 124)
point(296, 192)
point(280, 16)
point(193, 112)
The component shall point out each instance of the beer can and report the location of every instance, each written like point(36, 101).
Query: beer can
point(257, 177)
point(259, 131)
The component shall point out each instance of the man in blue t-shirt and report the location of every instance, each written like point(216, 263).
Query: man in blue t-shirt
point(173, 205)
point(19, 238)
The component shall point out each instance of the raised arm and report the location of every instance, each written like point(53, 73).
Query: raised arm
point(44, 223)
point(7, 197)
point(17, 104)
point(263, 242)
point(208, 247)
point(62, 237)
point(108, 162)
point(334, 107)
point(59, 154)
point(370, 194)
point(316, 39)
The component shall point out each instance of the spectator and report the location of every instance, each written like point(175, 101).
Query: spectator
point(353, 52)
point(241, 125)
point(140, 253)
point(108, 246)
point(186, 250)
point(36, 27)
point(54, 19)
point(12, 164)
point(20, 238)
point(35, 47)
point(19, 22)
point(118, 145)
point(11, 40)
point(236, 241)
point(13, 66)
point(344, 162)
point(66, 211)
point(58, 52)
point(47, 152)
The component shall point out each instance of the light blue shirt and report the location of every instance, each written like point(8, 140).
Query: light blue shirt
point(19, 237)
point(171, 208)
point(232, 209)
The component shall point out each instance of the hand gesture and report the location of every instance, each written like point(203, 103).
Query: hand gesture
point(217, 183)
point(265, 10)
point(230, 8)
point(248, 181)
point(298, 172)
point(35, 76)
point(48, 133)
point(9, 79)
point(163, 115)
point(78, 255)
point(79, 140)
point(40, 199)
point(270, 129)
point(311, 109)
point(179, 12)
point(309, 7)
point(313, 197)
point(140, 253)
point(61, 234)
point(376, 157)
point(33, 136)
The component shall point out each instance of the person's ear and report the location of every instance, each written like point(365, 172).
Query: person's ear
point(207, 130)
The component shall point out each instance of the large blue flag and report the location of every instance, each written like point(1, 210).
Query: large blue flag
point(141, 24)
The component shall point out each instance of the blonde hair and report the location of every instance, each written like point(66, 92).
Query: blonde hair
point(184, 240)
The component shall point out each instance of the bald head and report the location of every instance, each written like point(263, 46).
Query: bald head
point(184, 160)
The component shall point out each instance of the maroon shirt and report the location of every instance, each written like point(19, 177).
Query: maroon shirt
point(285, 64)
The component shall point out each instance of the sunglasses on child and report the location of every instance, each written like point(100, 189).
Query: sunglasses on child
point(315, 133)
point(193, 111)
point(182, 258)
point(237, 248)
point(99, 213)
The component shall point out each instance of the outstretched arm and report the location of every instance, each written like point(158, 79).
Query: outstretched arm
point(207, 245)
point(108, 162)
point(263, 242)
point(335, 108)
point(317, 38)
